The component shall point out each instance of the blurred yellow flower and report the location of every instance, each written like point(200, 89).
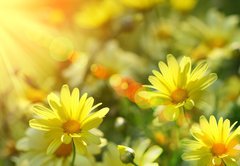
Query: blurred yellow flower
point(94, 15)
point(214, 39)
point(36, 155)
point(183, 5)
point(69, 119)
point(215, 144)
point(144, 154)
point(178, 86)
point(140, 4)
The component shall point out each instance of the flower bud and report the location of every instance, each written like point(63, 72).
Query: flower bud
point(127, 154)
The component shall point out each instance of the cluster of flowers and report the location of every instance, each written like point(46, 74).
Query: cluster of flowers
point(69, 125)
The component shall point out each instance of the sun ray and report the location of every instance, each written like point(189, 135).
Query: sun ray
point(25, 40)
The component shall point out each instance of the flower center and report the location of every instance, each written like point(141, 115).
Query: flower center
point(219, 149)
point(164, 32)
point(35, 95)
point(64, 150)
point(217, 42)
point(71, 126)
point(179, 95)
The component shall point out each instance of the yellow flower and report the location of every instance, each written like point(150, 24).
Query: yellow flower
point(183, 5)
point(213, 39)
point(96, 14)
point(215, 144)
point(144, 154)
point(178, 86)
point(69, 119)
point(36, 155)
point(141, 4)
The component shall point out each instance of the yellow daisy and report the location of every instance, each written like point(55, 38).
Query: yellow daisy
point(141, 4)
point(97, 14)
point(177, 85)
point(215, 144)
point(183, 6)
point(69, 119)
point(36, 155)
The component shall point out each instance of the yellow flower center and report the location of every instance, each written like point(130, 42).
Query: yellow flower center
point(219, 149)
point(217, 42)
point(71, 126)
point(179, 95)
point(35, 95)
point(164, 32)
point(64, 150)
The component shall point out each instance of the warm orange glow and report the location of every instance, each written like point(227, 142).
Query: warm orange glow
point(100, 71)
point(71, 126)
point(219, 149)
point(179, 95)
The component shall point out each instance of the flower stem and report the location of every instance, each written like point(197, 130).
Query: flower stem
point(134, 163)
point(74, 154)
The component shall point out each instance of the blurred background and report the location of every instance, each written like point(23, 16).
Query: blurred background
point(108, 48)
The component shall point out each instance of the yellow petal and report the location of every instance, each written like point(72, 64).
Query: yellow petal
point(65, 138)
point(75, 103)
point(214, 127)
point(80, 146)
point(171, 113)
point(99, 114)
point(220, 130)
point(94, 107)
point(86, 108)
point(230, 161)
point(226, 130)
point(199, 70)
point(234, 134)
point(159, 82)
point(185, 65)
point(55, 105)
point(43, 112)
point(66, 99)
point(45, 125)
point(90, 138)
point(152, 154)
point(173, 67)
point(166, 74)
point(81, 104)
point(54, 145)
point(140, 150)
point(93, 123)
point(189, 104)
point(197, 154)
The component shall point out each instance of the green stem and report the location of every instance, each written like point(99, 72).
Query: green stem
point(134, 163)
point(74, 154)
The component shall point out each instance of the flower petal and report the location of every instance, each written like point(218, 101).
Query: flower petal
point(45, 125)
point(80, 146)
point(54, 102)
point(90, 138)
point(66, 139)
point(66, 99)
point(92, 123)
point(152, 154)
point(86, 108)
point(43, 112)
point(54, 145)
